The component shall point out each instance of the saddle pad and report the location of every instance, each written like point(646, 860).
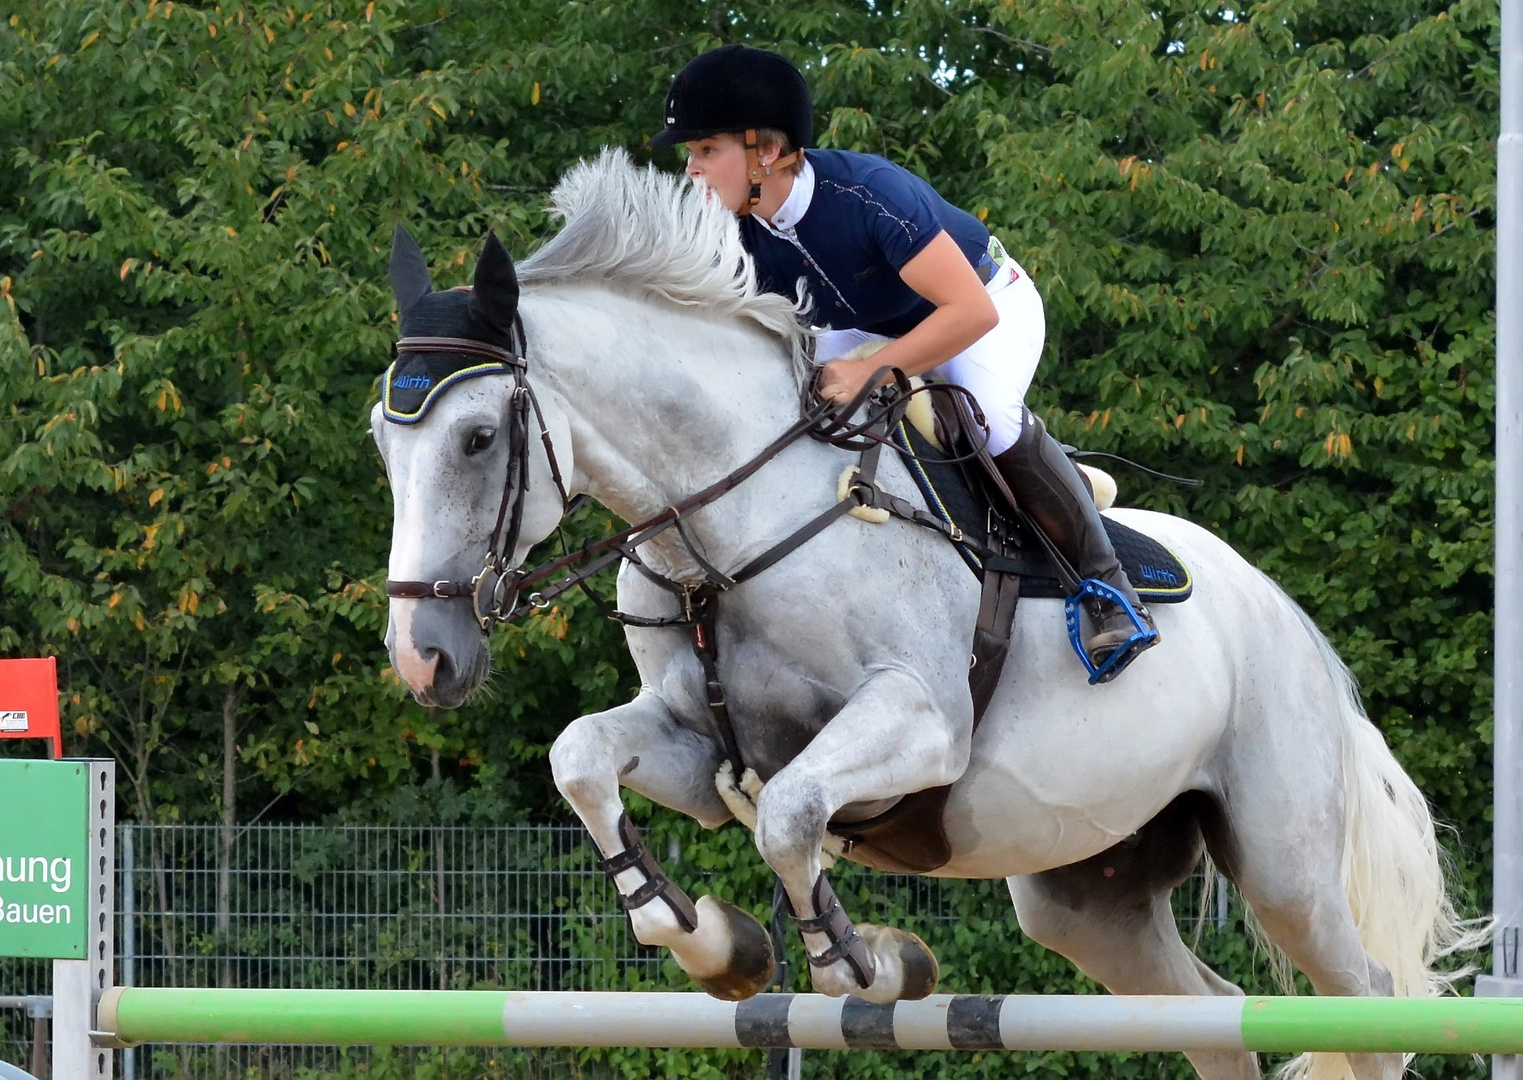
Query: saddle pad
point(1155, 571)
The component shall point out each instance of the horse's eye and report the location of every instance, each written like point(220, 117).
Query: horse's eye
point(480, 440)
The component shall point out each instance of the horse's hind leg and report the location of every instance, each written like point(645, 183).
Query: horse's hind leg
point(889, 739)
point(1290, 875)
point(1110, 915)
point(641, 746)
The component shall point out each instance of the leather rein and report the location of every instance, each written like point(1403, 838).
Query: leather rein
point(494, 592)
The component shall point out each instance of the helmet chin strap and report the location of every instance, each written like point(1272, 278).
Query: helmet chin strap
point(755, 172)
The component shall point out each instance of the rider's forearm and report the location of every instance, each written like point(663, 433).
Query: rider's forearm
point(947, 331)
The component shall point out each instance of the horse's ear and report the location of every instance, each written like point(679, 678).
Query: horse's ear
point(409, 270)
point(495, 291)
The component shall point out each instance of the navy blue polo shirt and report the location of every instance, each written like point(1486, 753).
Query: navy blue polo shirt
point(866, 219)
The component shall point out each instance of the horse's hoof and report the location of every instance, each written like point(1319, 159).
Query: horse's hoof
point(749, 967)
point(907, 968)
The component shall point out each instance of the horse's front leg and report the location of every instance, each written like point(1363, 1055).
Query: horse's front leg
point(890, 738)
point(641, 746)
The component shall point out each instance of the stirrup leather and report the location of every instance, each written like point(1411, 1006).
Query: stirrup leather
point(845, 943)
point(657, 885)
point(1143, 636)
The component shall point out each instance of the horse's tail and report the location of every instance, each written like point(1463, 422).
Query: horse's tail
point(1394, 871)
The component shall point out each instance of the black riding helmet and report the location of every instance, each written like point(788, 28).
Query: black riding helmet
point(735, 88)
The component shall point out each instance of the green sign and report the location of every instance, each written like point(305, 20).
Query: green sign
point(44, 858)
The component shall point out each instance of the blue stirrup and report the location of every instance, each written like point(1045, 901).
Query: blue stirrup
point(1129, 650)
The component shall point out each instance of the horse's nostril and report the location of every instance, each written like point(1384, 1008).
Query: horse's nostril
point(444, 672)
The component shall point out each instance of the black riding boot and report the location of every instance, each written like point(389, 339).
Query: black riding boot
point(1051, 489)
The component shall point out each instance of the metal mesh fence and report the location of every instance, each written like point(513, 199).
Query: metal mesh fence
point(386, 907)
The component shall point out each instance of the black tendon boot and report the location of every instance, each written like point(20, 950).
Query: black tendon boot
point(1050, 488)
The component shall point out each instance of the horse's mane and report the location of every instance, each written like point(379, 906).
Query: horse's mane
point(658, 234)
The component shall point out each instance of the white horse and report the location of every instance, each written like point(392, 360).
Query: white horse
point(660, 367)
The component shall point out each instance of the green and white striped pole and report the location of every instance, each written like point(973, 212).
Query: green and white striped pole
point(813, 1022)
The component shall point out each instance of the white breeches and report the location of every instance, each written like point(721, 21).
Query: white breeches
point(997, 368)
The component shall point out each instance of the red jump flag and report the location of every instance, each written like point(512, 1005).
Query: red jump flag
point(29, 701)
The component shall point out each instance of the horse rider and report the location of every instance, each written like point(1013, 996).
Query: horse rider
point(886, 258)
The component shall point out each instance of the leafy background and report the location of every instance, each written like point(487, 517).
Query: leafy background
point(1263, 235)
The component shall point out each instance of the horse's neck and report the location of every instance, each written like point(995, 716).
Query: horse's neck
point(661, 402)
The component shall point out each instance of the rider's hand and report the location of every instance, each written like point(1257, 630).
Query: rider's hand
point(842, 380)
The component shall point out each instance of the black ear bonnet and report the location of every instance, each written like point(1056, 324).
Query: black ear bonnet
point(482, 319)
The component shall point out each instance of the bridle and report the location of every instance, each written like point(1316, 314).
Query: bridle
point(494, 592)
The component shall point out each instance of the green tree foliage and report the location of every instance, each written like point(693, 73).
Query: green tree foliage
point(1262, 235)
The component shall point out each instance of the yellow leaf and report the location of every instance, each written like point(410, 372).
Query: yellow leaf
point(983, 213)
point(138, 621)
point(157, 497)
point(1179, 421)
point(73, 625)
point(195, 601)
point(339, 149)
point(116, 598)
point(230, 230)
point(91, 40)
point(369, 10)
point(1239, 453)
point(211, 28)
point(349, 109)
point(435, 107)
point(534, 95)
point(269, 35)
point(127, 268)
